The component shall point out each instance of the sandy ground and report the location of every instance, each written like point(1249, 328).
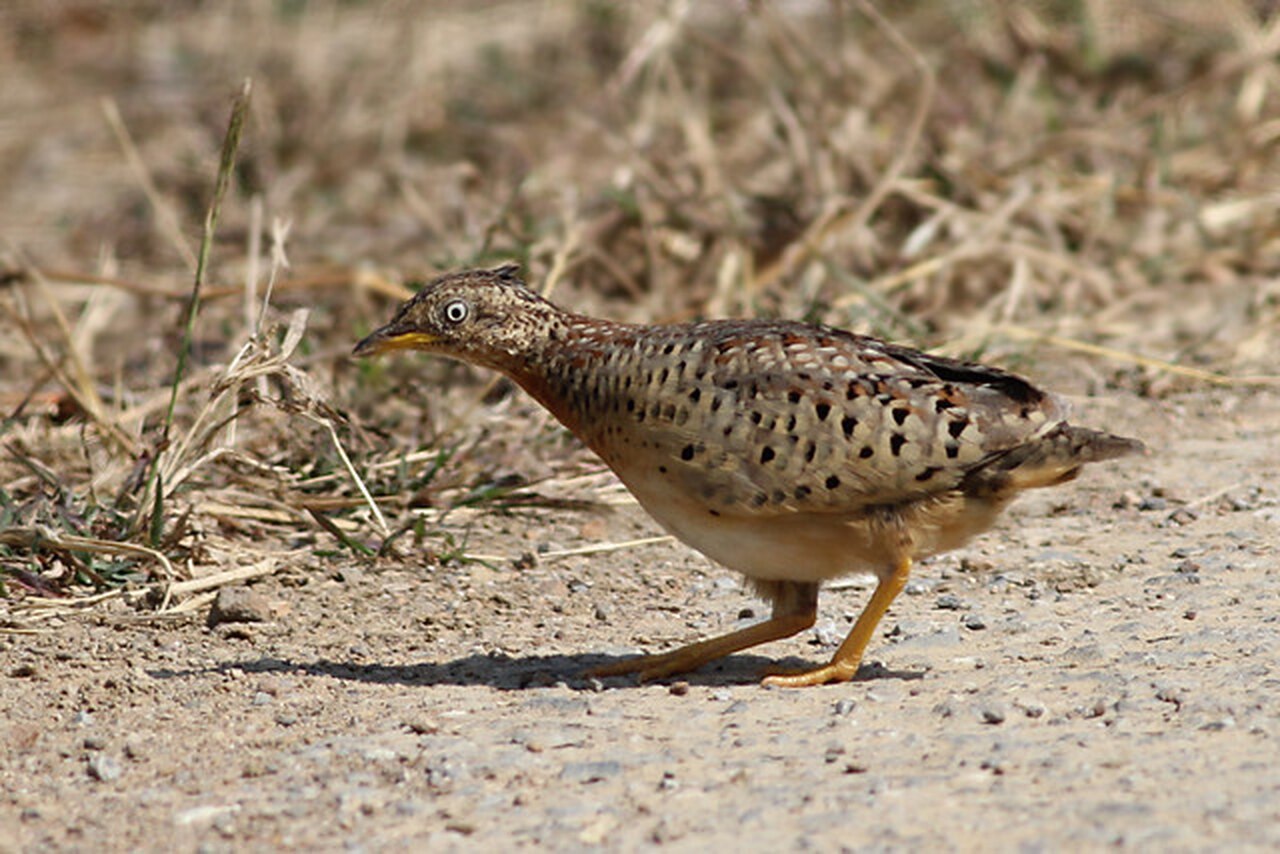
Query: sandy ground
point(1098, 672)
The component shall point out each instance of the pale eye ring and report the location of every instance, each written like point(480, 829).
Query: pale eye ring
point(456, 311)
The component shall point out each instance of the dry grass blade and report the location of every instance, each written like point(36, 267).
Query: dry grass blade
point(45, 538)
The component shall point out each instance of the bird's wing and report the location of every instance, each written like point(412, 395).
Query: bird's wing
point(790, 418)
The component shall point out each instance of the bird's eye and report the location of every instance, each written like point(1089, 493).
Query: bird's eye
point(456, 311)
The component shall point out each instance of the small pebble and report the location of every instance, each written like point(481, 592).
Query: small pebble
point(948, 602)
point(95, 742)
point(679, 689)
point(974, 622)
point(590, 772)
point(422, 725)
point(104, 768)
point(238, 605)
point(286, 719)
point(993, 714)
point(844, 706)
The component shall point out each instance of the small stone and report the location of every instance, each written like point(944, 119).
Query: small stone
point(422, 725)
point(1153, 502)
point(602, 613)
point(286, 719)
point(678, 689)
point(844, 706)
point(974, 622)
point(948, 602)
point(23, 671)
point(827, 633)
point(104, 768)
point(590, 772)
point(238, 605)
point(993, 714)
point(95, 742)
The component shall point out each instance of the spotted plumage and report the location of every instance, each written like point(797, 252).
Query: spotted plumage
point(790, 452)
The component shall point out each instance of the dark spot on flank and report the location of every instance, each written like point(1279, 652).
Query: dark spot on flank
point(867, 452)
point(728, 429)
point(955, 428)
point(791, 423)
point(927, 473)
point(715, 404)
point(662, 469)
point(810, 450)
point(802, 492)
point(919, 382)
point(669, 349)
point(680, 367)
point(896, 441)
point(695, 395)
point(669, 411)
point(756, 417)
point(848, 424)
point(686, 453)
point(626, 381)
point(631, 405)
point(640, 416)
point(833, 482)
point(942, 405)
point(729, 385)
point(827, 386)
point(700, 374)
point(662, 376)
point(900, 416)
point(854, 390)
point(804, 376)
point(759, 499)
point(794, 396)
point(714, 512)
point(953, 450)
point(823, 410)
point(766, 454)
point(1024, 412)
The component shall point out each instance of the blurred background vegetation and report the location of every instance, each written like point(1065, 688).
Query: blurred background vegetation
point(1084, 189)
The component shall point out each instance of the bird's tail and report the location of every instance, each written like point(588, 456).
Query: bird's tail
point(1053, 457)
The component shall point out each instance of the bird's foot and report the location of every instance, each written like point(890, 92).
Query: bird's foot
point(836, 671)
point(650, 667)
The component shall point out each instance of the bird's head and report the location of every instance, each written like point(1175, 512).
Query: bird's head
point(486, 317)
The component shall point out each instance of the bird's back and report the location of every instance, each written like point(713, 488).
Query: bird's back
point(764, 417)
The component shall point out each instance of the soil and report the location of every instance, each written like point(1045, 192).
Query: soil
point(1099, 671)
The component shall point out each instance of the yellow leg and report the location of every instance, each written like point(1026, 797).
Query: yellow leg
point(791, 614)
point(844, 664)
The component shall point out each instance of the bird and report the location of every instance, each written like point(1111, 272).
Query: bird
point(790, 452)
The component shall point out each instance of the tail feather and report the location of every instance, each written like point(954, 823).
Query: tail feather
point(1051, 458)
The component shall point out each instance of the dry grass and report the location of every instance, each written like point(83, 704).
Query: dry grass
point(1013, 179)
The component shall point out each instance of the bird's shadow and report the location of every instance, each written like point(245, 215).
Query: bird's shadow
point(508, 673)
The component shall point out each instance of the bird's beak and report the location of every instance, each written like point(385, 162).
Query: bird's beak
point(393, 337)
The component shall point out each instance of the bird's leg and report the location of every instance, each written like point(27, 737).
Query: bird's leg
point(795, 609)
point(844, 664)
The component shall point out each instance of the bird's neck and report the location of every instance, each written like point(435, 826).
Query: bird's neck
point(568, 365)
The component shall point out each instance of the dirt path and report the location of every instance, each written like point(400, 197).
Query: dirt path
point(1099, 671)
